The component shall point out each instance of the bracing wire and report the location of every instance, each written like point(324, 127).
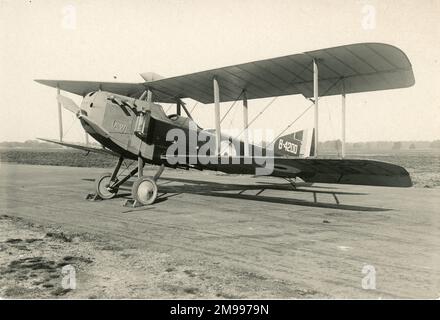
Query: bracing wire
point(70, 127)
point(331, 126)
point(307, 109)
point(126, 167)
point(169, 107)
point(232, 118)
point(291, 124)
point(269, 104)
point(194, 106)
point(256, 117)
point(232, 105)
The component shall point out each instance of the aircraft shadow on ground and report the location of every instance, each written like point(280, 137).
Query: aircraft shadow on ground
point(217, 189)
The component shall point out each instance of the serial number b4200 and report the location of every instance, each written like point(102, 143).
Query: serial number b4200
point(288, 146)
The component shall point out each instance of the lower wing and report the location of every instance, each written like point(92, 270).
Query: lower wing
point(345, 171)
point(338, 171)
point(82, 147)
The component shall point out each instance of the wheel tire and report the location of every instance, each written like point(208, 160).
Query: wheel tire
point(144, 191)
point(101, 185)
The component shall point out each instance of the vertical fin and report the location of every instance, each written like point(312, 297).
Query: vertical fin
point(298, 144)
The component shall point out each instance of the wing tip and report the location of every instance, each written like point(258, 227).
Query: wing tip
point(50, 83)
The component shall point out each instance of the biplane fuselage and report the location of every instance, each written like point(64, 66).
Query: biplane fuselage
point(111, 120)
point(119, 123)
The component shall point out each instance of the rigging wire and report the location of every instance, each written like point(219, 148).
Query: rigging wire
point(331, 128)
point(126, 167)
point(70, 127)
point(256, 117)
point(169, 107)
point(308, 108)
point(232, 118)
point(270, 103)
point(232, 105)
point(194, 106)
point(291, 124)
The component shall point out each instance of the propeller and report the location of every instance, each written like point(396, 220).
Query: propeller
point(68, 103)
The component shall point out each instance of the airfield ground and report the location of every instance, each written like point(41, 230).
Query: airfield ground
point(215, 236)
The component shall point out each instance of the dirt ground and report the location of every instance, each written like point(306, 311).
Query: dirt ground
point(215, 236)
point(32, 257)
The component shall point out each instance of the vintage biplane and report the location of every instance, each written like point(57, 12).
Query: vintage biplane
point(130, 123)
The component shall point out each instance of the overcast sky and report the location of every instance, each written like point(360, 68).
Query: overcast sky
point(96, 40)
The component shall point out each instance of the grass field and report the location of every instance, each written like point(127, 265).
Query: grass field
point(57, 157)
point(423, 165)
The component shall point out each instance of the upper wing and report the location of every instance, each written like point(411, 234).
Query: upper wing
point(82, 88)
point(364, 67)
point(82, 147)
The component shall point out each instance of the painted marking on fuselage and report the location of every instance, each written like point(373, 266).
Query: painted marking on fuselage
point(119, 126)
point(288, 146)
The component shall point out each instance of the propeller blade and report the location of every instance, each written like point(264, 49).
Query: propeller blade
point(68, 103)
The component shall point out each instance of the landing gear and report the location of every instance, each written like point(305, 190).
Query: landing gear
point(107, 185)
point(102, 187)
point(144, 190)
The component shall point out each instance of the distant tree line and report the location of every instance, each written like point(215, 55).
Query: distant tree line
point(33, 144)
point(335, 145)
point(29, 144)
point(435, 144)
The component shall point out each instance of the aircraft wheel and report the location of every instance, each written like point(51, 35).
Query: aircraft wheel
point(101, 185)
point(144, 190)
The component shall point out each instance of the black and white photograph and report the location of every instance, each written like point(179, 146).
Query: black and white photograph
point(227, 151)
